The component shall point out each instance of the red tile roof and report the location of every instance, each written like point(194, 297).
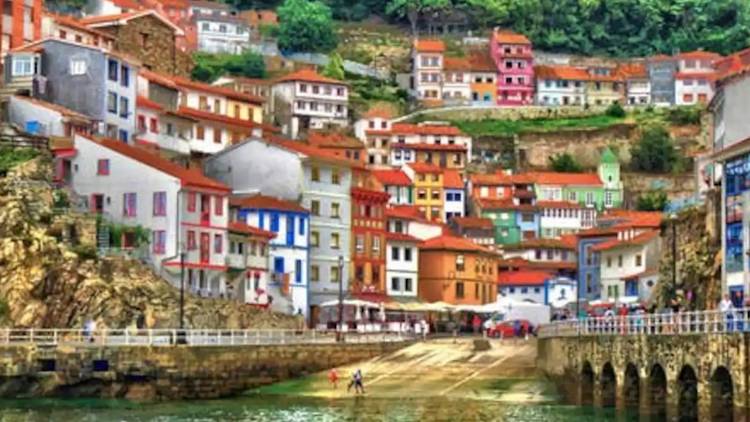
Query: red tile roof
point(652, 219)
point(560, 72)
point(473, 222)
point(450, 243)
point(218, 90)
point(633, 71)
point(541, 244)
point(92, 20)
point(423, 129)
point(518, 262)
point(405, 212)
point(77, 24)
point(522, 278)
point(144, 102)
point(157, 78)
point(65, 112)
point(456, 63)
point(510, 37)
point(699, 55)
point(117, 19)
point(308, 75)
point(188, 177)
point(381, 109)
point(710, 76)
point(266, 203)
point(243, 228)
point(425, 168)
point(333, 140)
point(393, 177)
point(313, 152)
point(401, 237)
point(481, 61)
point(429, 147)
point(560, 179)
point(502, 204)
point(599, 232)
point(429, 46)
point(637, 240)
point(452, 180)
point(492, 179)
point(558, 204)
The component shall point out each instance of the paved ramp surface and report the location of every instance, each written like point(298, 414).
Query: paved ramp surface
point(447, 368)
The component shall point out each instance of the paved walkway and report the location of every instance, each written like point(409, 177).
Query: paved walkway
point(447, 369)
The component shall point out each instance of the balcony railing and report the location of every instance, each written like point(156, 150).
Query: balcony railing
point(235, 260)
point(174, 144)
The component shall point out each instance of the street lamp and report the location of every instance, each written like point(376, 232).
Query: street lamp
point(339, 334)
point(181, 334)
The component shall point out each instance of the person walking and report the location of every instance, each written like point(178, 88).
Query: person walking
point(476, 323)
point(333, 378)
point(725, 307)
point(356, 382)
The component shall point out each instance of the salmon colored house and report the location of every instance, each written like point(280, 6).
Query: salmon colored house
point(21, 23)
point(457, 271)
point(515, 67)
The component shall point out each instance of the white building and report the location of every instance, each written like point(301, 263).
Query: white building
point(637, 84)
point(69, 28)
point(694, 79)
point(436, 143)
point(624, 261)
point(537, 287)
point(454, 200)
point(560, 85)
point(221, 32)
point(306, 100)
point(543, 250)
point(397, 184)
point(407, 219)
point(427, 70)
point(183, 210)
point(402, 264)
point(289, 250)
point(46, 119)
point(558, 218)
point(248, 258)
point(456, 81)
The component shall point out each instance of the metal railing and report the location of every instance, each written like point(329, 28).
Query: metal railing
point(192, 337)
point(681, 323)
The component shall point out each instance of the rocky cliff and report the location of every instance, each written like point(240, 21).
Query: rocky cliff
point(47, 282)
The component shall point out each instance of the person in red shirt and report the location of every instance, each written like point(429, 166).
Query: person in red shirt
point(476, 323)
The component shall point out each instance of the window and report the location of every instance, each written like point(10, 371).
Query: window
point(160, 204)
point(315, 207)
point(301, 226)
point(124, 76)
point(218, 205)
point(609, 262)
point(191, 200)
point(407, 254)
point(298, 271)
point(129, 204)
point(408, 285)
point(459, 290)
point(77, 66)
point(275, 223)
point(204, 26)
point(395, 253)
point(124, 112)
point(459, 262)
point(218, 243)
point(111, 102)
point(314, 238)
point(376, 246)
point(619, 261)
point(335, 241)
point(316, 89)
point(476, 290)
point(191, 244)
point(160, 241)
point(303, 87)
point(222, 28)
point(335, 177)
point(102, 167)
point(638, 260)
point(314, 273)
point(217, 135)
point(315, 174)
point(687, 98)
point(141, 124)
point(154, 125)
point(335, 275)
point(112, 70)
point(589, 198)
point(395, 284)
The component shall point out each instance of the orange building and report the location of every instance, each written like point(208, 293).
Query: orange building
point(368, 240)
point(457, 271)
point(21, 23)
point(339, 144)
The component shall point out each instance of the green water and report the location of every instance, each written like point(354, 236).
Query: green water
point(278, 408)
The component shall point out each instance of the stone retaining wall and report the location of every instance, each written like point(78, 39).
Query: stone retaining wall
point(167, 373)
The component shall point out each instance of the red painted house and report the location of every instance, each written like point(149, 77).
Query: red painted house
point(515, 67)
point(368, 240)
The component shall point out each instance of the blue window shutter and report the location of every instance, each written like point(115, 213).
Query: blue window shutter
point(260, 219)
point(275, 222)
point(298, 271)
point(302, 226)
point(278, 264)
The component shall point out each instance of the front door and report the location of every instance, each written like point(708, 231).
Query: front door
point(97, 203)
point(278, 266)
point(205, 247)
point(290, 230)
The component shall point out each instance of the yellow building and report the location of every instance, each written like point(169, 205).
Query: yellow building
point(604, 86)
point(245, 110)
point(427, 181)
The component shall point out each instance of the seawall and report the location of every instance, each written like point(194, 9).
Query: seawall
point(167, 373)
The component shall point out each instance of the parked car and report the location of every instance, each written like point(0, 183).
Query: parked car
point(514, 328)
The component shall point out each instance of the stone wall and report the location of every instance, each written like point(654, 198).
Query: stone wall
point(566, 361)
point(674, 185)
point(168, 373)
point(505, 113)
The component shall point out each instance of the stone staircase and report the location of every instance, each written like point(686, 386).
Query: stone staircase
point(102, 237)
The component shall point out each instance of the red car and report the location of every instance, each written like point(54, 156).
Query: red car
point(507, 329)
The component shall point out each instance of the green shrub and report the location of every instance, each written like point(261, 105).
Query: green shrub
point(85, 252)
point(654, 200)
point(686, 115)
point(11, 157)
point(615, 110)
point(564, 163)
point(654, 151)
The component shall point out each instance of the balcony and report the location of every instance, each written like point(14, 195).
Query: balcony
point(235, 261)
point(173, 144)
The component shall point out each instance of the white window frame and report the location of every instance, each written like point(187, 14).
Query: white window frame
point(23, 66)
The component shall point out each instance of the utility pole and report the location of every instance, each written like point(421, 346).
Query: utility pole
point(340, 326)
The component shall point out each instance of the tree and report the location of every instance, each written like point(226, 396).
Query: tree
point(306, 26)
point(335, 67)
point(208, 67)
point(615, 110)
point(413, 9)
point(653, 200)
point(564, 163)
point(654, 151)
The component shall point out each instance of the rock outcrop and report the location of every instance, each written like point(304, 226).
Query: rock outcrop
point(47, 282)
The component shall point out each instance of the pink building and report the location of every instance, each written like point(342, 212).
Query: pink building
point(515, 67)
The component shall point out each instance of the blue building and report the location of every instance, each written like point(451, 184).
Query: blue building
point(289, 251)
point(589, 276)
